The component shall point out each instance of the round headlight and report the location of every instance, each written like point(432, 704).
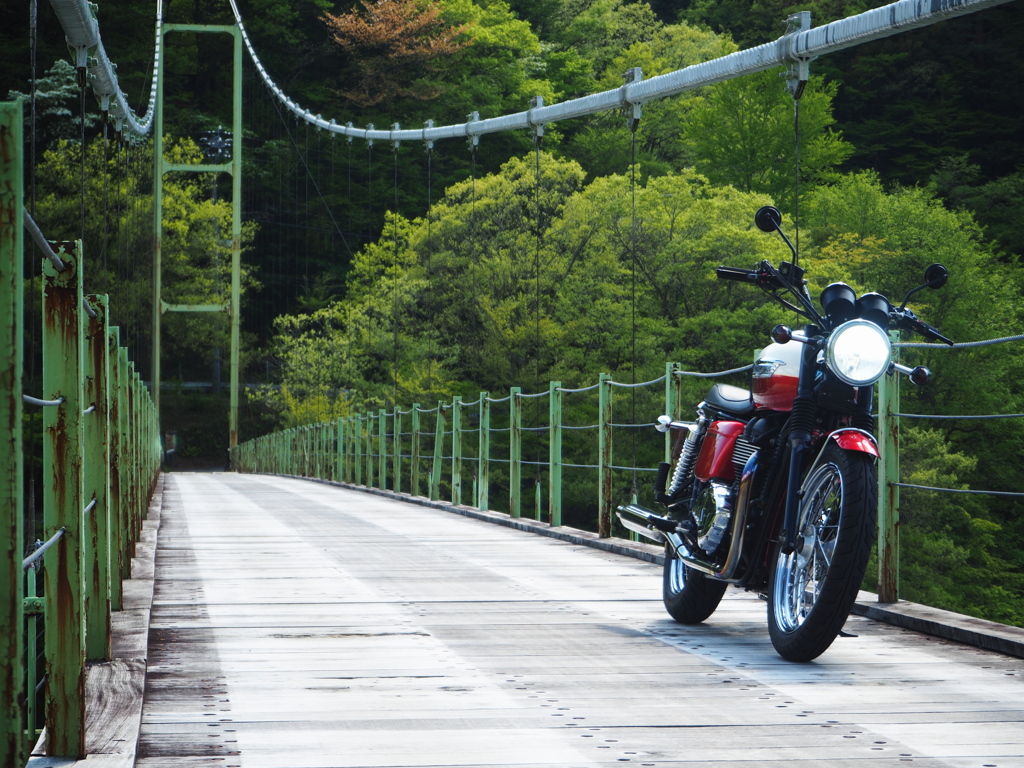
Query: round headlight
point(858, 352)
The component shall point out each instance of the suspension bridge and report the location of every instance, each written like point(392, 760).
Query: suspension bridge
point(324, 606)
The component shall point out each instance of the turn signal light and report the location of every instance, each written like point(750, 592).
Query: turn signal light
point(782, 334)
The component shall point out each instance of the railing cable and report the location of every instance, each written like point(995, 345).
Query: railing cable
point(41, 548)
point(958, 490)
point(962, 345)
point(713, 375)
point(968, 417)
point(44, 403)
point(40, 240)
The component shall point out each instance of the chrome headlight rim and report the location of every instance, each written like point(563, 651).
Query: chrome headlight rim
point(859, 373)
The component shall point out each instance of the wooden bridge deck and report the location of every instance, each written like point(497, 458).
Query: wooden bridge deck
point(298, 624)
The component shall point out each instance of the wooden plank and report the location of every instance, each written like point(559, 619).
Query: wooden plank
point(296, 624)
point(114, 690)
point(114, 706)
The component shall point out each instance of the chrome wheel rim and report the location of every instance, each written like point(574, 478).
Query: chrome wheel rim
point(800, 575)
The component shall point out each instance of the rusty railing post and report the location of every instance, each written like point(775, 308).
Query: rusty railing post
point(604, 457)
point(12, 579)
point(484, 452)
point(515, 452)
point(889, 494)
point(382, 447)
point(98, 530)
point(457, 450)
point(414, 451)
point(435, 467)
point(117, 531)
point(396, 457)
point(555, 399)
point(63, 506)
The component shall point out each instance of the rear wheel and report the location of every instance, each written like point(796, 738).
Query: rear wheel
point(812, 589)
point(690, 596)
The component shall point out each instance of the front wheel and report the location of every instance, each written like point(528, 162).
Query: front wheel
point(689, 595)
point(812, 589)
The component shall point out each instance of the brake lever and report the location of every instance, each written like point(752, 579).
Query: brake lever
point(905, 318)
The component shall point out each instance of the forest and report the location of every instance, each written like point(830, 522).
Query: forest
point(380, 276)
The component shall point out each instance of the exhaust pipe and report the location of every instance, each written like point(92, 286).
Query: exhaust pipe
point(663, 531)
point(646, 523)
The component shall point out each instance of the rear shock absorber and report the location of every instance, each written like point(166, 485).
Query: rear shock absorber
point(688, 454)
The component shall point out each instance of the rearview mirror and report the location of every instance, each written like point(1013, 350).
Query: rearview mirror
point(768, 219)
point(936, 276)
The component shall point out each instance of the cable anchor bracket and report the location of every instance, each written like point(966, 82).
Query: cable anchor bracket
point(473, 139)
point(428, 143)
point(798, 66)
point(634, 109)
point(538, 128)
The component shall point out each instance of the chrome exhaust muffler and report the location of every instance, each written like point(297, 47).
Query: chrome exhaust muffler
point(645, 522)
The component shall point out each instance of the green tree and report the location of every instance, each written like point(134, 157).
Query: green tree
point(57, 105)
point(510, 281)
point(118, 228)
point(602, 144)
point(993, 203)
point(600, 29)
point(950, 544)
point(743, 134)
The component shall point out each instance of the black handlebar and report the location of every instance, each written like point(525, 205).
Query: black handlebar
point(929, 332)
point(767, 277)
point(736, 273)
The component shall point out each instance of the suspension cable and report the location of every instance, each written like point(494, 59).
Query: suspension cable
point(632, 248)
point(316, 186)
point(801, 44)
point(394, 287)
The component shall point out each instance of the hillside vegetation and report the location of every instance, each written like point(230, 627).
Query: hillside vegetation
point(597, 252)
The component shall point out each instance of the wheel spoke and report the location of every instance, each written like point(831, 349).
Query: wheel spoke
point(803, 572)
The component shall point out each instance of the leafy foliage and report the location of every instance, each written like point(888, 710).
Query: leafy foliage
point(527, 271)
point(57, 104)
point(743, 134)
point(393, 44)
point(118, 219)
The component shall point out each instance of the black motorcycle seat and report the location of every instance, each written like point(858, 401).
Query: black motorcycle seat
point(733, 400)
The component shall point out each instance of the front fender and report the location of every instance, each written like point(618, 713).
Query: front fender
point(852, 439)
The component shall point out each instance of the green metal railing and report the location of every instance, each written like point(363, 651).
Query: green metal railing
point(358, 448)
point(374, 449)
point(101, 460)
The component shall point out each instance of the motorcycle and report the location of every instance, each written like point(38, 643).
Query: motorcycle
point(775, 489)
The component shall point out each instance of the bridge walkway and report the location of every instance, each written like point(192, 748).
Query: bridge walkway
point(300, 624)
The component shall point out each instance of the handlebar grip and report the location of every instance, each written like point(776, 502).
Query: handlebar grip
point(736, 273)
point(930, 333)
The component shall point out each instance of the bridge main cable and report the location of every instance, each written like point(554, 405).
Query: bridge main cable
point(796, 48)
point(82, 33)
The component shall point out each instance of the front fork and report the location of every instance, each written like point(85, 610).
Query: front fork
point(801, 431)
point(801, 435)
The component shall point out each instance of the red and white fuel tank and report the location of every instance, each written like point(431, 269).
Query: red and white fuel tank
point(774, 378)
